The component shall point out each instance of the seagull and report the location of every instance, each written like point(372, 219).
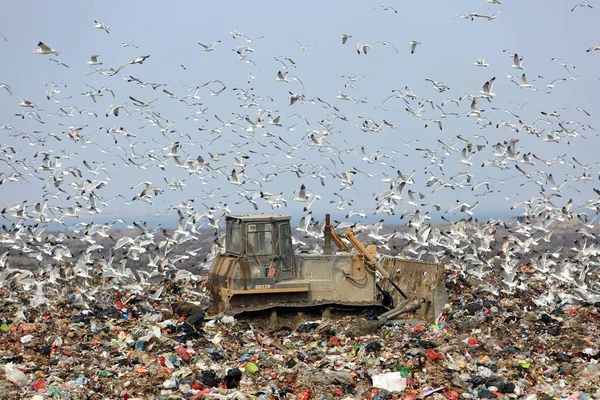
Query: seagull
point(26, 103)
point(114, 109)
point(169, 94)
point(413, 46)
point(386, 8)
point(480, 62)
point(464, 159)
point(100, 25)
point(136, 60)
point(579, 109)
point(434, 121)
point(295, 97)
point(581, 5)
point(302, 195)
point(553, 83)
point(385, 43)
point(304, 47)
point(281, 77)
point(94, 60)
point(210, 47)
point(43, 49)
point(594, 47)
point(362, 47)
point(124, 44)
point(345, 37)
point(524, 83)
point(5, 86)
point(517, 61)
point(487, 88)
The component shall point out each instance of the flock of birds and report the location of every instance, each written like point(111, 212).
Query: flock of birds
point(267, 142)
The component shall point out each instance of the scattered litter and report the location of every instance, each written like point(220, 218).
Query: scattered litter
point(391, 381)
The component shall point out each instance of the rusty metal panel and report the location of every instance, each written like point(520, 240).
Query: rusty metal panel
point(220, 280)
point(338, 278)
point(418, 279)
point(354, 281)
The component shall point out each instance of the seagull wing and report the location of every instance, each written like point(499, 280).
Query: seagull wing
point(43, 47)
point(302, 193)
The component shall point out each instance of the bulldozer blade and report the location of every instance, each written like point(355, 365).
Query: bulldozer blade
point(421, 281)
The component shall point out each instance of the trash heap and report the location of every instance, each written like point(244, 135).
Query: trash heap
point(124, 343)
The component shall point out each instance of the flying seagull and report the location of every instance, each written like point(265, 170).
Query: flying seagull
point(581, 5)
point(386, 8)
point(594, 47)
point(100, 25)
point(136, 60)
point(480, 62)
point(94, 60)
point(517, 61)
point(413, 45)
point(386, 43)
point(210, 47)
point(362, 47)
point(58, 62)
point(5, 86)
point(43, 49)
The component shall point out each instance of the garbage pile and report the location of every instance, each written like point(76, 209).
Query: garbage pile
point(126, 343)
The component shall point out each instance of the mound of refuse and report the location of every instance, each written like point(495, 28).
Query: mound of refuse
point(126, 343)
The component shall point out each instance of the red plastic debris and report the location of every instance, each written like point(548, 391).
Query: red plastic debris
point(451, 394)
point(183, 353)
point(39, 384)
point(434, 355)
point(161, 360)
point(305, 395)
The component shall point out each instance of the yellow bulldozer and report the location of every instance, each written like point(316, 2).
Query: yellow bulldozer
point(260, 271)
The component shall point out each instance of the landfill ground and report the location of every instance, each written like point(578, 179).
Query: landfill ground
point(121, 342)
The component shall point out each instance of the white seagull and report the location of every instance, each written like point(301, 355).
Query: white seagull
point(594, 47)
point(581, 5)
point(43, 49)
point(210, 47)
point(94, 60)
point(362, 47)
point(480, 62)
point(517, 61)
point(5, 86)
point(487, 88)
point(100, 25)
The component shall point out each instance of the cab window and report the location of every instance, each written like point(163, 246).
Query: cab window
point(260, 238)
point(234, 236)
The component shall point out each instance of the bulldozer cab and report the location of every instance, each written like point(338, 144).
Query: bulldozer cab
point(264, 242)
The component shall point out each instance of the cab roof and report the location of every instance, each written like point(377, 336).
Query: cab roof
point(260, 217)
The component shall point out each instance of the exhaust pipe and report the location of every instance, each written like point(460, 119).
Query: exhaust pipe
point(327, 235)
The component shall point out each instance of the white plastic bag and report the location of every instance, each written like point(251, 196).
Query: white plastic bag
point(15, 375)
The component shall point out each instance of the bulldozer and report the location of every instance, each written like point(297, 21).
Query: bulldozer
point(260, 271)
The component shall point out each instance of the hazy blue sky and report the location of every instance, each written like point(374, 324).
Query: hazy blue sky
point(169, 31)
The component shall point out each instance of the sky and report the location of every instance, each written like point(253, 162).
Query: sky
point(170, 32)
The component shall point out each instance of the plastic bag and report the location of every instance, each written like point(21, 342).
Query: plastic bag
point(15, 375)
